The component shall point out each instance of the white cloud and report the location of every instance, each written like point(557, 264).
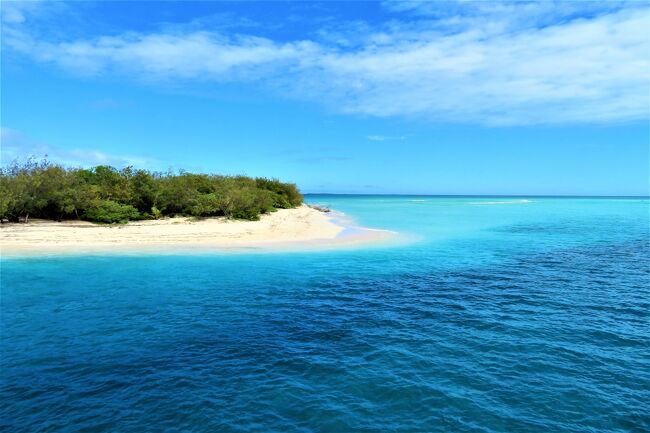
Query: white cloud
point(199, 54)
point(14, 12)
point(498, 64)
point(385, 138)
point(18, 146)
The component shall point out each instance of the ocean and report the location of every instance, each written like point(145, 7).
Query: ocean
point(487, 314)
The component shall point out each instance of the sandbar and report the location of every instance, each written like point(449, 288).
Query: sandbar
point(287, 229)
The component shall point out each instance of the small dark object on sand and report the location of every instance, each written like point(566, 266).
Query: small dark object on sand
point(319, 208)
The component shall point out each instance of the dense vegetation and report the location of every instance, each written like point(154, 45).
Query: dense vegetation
point(106, 195)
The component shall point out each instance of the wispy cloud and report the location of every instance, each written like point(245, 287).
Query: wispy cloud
point(385, 138)
point(17, 12)
point(18, 146)
point(487, 63)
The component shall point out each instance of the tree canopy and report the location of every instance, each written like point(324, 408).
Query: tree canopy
point(107, 195)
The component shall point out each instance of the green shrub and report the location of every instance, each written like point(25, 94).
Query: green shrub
point(205, 205)
point(286, 195)
point(248, 204)
point(104, 194)
point(106, 211)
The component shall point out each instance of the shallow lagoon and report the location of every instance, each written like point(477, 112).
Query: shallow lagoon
point(489, 314)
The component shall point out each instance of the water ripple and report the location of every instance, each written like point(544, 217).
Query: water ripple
point(395, 340)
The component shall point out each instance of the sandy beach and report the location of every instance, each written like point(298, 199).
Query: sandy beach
point(300, 228)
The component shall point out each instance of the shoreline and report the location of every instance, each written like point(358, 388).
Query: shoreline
point(299, 229)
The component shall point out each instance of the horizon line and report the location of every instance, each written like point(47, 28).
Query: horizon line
point(482, 195)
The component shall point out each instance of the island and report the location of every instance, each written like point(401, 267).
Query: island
point(48, 208)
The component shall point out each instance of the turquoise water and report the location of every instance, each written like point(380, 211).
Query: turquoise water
point(492, 315)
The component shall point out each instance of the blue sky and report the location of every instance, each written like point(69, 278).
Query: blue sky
point(356, 97)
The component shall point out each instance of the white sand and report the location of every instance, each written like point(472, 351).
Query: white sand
point(285, 229)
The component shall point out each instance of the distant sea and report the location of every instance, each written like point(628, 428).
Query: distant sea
point(491, 314)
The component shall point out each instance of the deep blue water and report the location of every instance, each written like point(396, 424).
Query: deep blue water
point(495, 315)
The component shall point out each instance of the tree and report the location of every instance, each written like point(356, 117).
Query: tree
point(107, 211)
point(144, 189)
